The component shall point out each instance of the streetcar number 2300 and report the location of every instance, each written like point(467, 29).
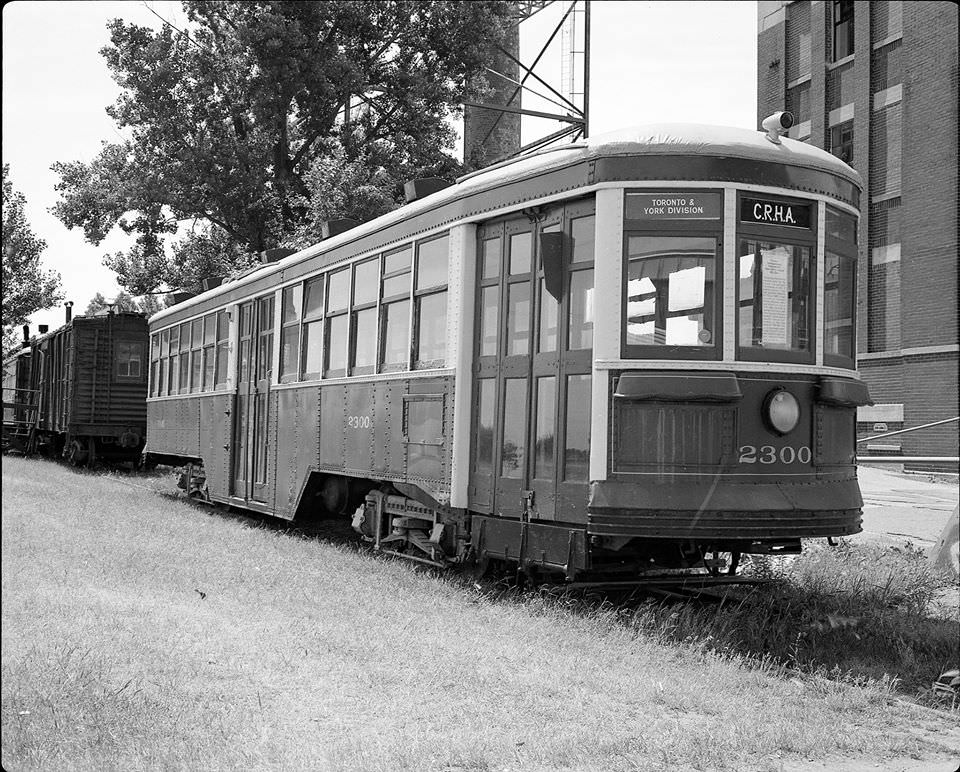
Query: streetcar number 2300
point(358, 421)
point(767, 454)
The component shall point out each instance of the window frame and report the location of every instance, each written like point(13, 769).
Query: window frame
point(802, 237)
point(127, 377)
point(417, 299)
point(843, 248)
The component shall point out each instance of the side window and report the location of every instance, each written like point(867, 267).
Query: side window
point(181, 334)
point(164, 362)
point(338, 323)
point(223, 348)
point(395, 310)
point(154, 364)
point(209, 346)
point(196, 354)
point(311, 356)
point(290, 333)
point(430, 304)
point(363, 337)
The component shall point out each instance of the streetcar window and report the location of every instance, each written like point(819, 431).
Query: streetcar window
point(365, 282)
point(209, 345)
point(487, 390)
point(489, 320)
point(544, 467)
point(518, 318)
point(431, 343)
point(430, 303)
point(432, 258)
point(840, 288)
point(290, 332)
point(580, 318)
point(179, 341)
point(311, 355)
point(520, 253)
point(491, 259)
point(129, 359)
point(775, 283)
point(395, 334)
point(576, 457)
point(396, 273)
point(338, 298)
point(154, 363)
point(513, 449)
point(265, 344)
point(670, 291)
point(336, 348)
point(196, 355)
point(364, 338)
point(223, 347)
point(583, 236)
point(549, 308)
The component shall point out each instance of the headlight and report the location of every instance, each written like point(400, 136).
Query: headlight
point(782, 411)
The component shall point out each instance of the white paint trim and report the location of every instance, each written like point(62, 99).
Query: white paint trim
point(892, 411)
point(820, 304)
point(402, 375)
point(725, 365)
point(920, 350)
point(461, 291)
point(730, 222)
point(607, 307)
point(887, 97)
point(840, 115)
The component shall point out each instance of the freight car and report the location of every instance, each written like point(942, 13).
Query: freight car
point(80, 391)
point(631, 353)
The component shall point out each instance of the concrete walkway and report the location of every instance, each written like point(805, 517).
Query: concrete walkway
point(900, 507)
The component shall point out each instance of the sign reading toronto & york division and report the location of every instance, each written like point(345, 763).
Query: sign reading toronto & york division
point(690, 205)
point(758, 210)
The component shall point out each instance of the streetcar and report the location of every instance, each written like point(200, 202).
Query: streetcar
point(630, 354)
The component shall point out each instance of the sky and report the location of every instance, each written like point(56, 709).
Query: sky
point(651, 62)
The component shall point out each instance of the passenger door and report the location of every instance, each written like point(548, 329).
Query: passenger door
point(251, 457)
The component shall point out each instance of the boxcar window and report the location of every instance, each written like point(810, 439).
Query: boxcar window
point(775, 296)
point(209, 345)
point(223, 347)
point(290, 332)
point(671, 300)
point(129, 359)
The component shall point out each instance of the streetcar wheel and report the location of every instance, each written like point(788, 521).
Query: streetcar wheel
point(76, 454)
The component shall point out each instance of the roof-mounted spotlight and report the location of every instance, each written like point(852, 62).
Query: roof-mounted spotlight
point(776, 124)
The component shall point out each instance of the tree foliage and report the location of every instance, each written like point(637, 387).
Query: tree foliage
point(264, 118)
point(148, 304)
point(26, 286)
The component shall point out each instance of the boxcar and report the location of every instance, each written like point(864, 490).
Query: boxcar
point(80, 391)
point(630, 353)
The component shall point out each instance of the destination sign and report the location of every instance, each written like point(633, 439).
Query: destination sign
point(759, 210)
point(674, 206)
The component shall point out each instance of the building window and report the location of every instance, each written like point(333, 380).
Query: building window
point(842, 29)
point(883, 277)
point(841, 141)
point(798, 103)
point(798, 41)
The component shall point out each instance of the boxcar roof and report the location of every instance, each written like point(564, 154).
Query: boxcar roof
point(665, 139)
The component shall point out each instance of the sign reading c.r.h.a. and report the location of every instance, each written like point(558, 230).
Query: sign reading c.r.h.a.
point(771, 212)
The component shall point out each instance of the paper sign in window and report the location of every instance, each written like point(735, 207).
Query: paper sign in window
point(774, 296)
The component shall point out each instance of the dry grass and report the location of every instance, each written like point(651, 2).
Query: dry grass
point(143, 633)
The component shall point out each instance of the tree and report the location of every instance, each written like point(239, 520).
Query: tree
point(247, 120)
point(148, 304)
point(26, 286)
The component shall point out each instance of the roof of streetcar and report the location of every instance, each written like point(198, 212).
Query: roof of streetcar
point(662, 139)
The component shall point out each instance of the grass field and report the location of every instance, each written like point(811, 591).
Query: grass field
point(140, 632)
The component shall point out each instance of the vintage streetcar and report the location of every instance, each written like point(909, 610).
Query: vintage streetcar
point(630, 354)
point(79, 391)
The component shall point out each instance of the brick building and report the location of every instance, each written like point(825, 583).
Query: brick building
point(875, 83)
